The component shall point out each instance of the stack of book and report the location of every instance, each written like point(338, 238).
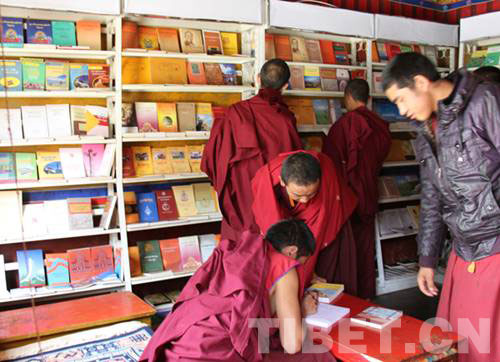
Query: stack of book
point(391, 187)
point(396, 221)
point(316, 78)
point(320, 112)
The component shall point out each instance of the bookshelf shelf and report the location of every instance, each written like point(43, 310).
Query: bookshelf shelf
point(55, 141)
point(194, 220)
point(58, 183)
point(310, 93)
point(187, 88)
point(334, 66)
point(314, 129)
point(68, 234)
point(377, 95)
point(404, 281)
point(401, 130)
point(383, 65)
point(158, 277)
point(398, 235)
point(59, 53)
point(205, 58)
point(401, 163)
point(399, 199)
point(166, 136)
point(170, 177)
point(60, 94)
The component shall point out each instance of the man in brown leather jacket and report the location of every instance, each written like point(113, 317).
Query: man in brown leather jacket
point(458, 147)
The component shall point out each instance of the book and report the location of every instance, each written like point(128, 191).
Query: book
point(302, 108)
point(4, 293)
point(229, 74)
point(26, 170)
point(190, 253)
point(343, 78)
point(11, 215)
point(376, 317)
point(168, 40)
point(107, 214)
point(191, 41)
point(414, 212)
point(161, 163)
point(177, 157)
point(207, 245)
point(88, 33)
point(78, 76)
point(57, 265)
point(150, 255)
point(147, 116)
point(146, 204)
point(229, 43)
point(326, 316)
point(92, 158)
point(63, 33)
point(80, 265)
point(329, 80)
point(99, 76)
point(39, 31)
point(35, 123)
point(148, 38)
point(162, 71)
point(321, 111)
point(213, 42)
point(131, 214)
point(78, 120)
point(128, 162)
point(49, 165)
point(132, 70)
point(80, 213)
point(382, 53)
point(184, 200)
point(56, 75)
point(269, 50)
point(102, 260)
point(34, 220)
point(312, 79)
point(11, 124)
point(186, 115)
point(314, 51)
point(57, 219)
point(282, 47)
point(395, 221)
point(327, 292)
point(204, 117)
point(299, 51)
point(143, 164)
point(135, 261)
point(335, 109)
point(213, 74)
point(431, 53)
point(196, 73)
point(96, 121)
point(377, 82)
point(195, 153)
point(130, 38)
point(7, 168)
point(58, 120)
point(165, 204)
point(167, 117)
point(33, 74)
point(392, 49)
point(400, 150)
point(408, 185)
point(11, 75)
point(171, 255)
point(31, 270)
point(12, 32)
point(387, 187)
point(72, 162)
point(108, 160)
point(327, 51)
point(205, 204)
point(128, 118)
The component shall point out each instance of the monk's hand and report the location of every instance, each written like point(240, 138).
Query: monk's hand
point(310, 302)
point(317, 279)
point(425, 280)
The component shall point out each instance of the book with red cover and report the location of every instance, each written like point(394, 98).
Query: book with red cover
point(282, 47)
point(99, 76)
point(128, 162)
point(171, 254)
point(80, 265)
point(270, 50)
point(102, 260)
point(327, 51)
point(167, 210)
point(392, 49)
point(196, 73)
point(358, 74)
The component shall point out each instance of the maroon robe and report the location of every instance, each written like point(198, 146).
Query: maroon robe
point(358, 144)
point(252, 132)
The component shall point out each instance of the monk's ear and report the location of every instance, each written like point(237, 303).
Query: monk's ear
point(285, 87)
point(258, 81)
point(282, 183)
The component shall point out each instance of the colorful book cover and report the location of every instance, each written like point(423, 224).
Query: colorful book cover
point(80, 213)
point(196, 73)
point(147, 116)
point(31, 269)
point(204, 117)
point(72, 162)
point(168, 40)
point(143, 163)
point(335, 108)
point(78, 119)
point(102, 260)
point(128, 162)
point(186, 115)
point(57, 265)
point(195, 153)
point(56, 75)
point(312, 79)
point(49, 165)
point(327, 51)
point(148, 38)
point(171, 255)
point(343, 78)
point(97, 121)
point(88, 33)
point(165, 202)
point(229, 43)
point(208, 243)
point(150, 254)
point(185, 201)
point(7, 168)
point(117, 258)
point(11, 75)
point(135, 261)
point(190, 253)
point(92, 158)
point(128, 116)
point(26, 170)
point(205, 204)
point(63, 33)
point(213, 73)
point(80, 265)
point(12, 32)
point(321, 112)
point(178, 159)
point(213, 42)
point(299, 51)
point(39, 31)
point(146, 204)
point(79, 76)
point(167, 117)
point(161, 163)
point(99, 76)
point(327, 292)
point(191, 41)
point(33, 74)
point(229, 74)
point(131, 214)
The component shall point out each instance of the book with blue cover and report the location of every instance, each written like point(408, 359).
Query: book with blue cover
point(63, 33)
point(11, 75)
point(12, 32)
point(39, 31)
point(146, 203)
point(57, 270)
point(31, 269)
point(78, 76)
point(321, 111)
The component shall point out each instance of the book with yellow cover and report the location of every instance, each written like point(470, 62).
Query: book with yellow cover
point(143, 163)
point(163, 71)
point(131, 68)
point(161, 163)
point(229, 43)
point(169, 40)
point(167, 117)
point(205, 203)
point(195, 152)
point(312, 79)
point(204, 117)
point(148, 38)
point(49, 165)
point(185, 201)
point(178, 159)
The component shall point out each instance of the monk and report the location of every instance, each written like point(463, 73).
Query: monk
point(253, 278)
point(305, 185)
point(358, 144)
point(252, 133)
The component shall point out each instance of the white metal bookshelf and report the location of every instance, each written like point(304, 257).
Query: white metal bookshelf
point(166, 136)
point(69, 234)
point(87, 181)
point(159, 277)
point(167, 177)
point(192, 220)
point(56, 141)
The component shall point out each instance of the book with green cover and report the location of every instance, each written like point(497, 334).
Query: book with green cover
point(33, 73)
point(150, 254)
point(26, 169)
point(63, 33)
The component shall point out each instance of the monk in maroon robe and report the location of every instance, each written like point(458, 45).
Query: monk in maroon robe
point(241, 281)
point(304, 185)
point(252, 132)
point(358, 144)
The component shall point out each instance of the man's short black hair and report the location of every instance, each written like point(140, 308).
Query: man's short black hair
point(358, 89)
point(301, 168)
point(488, 73)
point(402, 70)
point(292, 232)
point(274, 74)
